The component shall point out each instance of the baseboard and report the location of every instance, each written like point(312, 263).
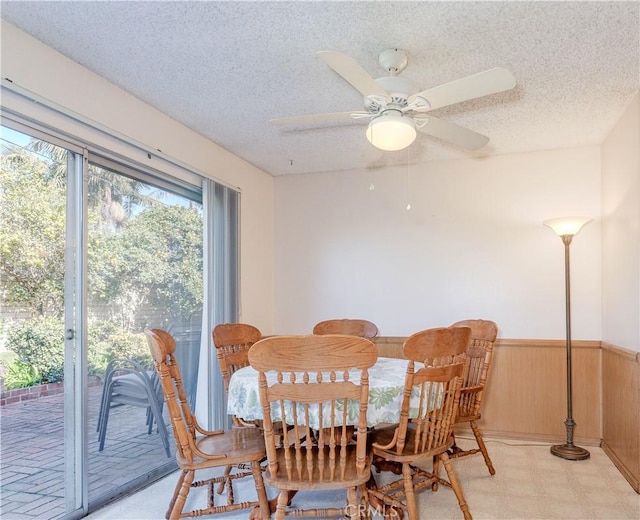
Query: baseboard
point(631, 478)
point(530, 437)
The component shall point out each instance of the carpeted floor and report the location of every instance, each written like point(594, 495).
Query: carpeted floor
point(530, 483)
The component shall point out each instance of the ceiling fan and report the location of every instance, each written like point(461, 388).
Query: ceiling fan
point(396, 108)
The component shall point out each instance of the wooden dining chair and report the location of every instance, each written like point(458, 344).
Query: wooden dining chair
point(433, 383)
point(200, 449)
point(319, 385)
point(361, 328)
point(479, 356)
point(232, 342)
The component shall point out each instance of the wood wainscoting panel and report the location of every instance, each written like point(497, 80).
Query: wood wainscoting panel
point(621, 410)
point(390, 346)
point(526, 394)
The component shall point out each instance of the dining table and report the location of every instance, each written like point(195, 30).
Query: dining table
point(386, 388)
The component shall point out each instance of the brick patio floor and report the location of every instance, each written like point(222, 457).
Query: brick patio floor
point(32, 454)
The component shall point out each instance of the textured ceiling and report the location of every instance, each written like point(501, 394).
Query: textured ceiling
point(225, 68)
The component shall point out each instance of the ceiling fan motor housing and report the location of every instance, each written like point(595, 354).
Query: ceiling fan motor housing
point(398, 88)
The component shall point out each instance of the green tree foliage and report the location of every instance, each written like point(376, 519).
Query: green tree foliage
point(156, 258)
point(111, 195)
point(126, 345)
point(140, 251)
point(176, 243)
point(32, 213)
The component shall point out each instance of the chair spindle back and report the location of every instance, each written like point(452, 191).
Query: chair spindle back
point(320, 389)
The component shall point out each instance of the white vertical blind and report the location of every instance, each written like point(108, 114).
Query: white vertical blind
point(221, 290)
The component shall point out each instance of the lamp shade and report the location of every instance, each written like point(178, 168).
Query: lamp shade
point(567, 226)
point(391, 131)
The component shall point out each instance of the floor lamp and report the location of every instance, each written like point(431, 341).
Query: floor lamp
point(566, 228)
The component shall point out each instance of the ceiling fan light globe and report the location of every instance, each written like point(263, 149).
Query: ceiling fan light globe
point(391, 131)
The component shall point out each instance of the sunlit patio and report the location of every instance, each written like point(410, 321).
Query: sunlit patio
point(32, 453)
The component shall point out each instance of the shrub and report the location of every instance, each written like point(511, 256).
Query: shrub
point(107, 340)
point(99, 332)
point(40, 342)
point(21, 375)
point(6, 358)
point(128, 345)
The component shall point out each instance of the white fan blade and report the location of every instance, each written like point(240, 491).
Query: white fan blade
point(351, 71)
point(318, 118)
point(452, 133)
point(477, 85)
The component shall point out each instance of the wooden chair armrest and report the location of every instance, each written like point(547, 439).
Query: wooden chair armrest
point(240, 423)
point(207, 456)
point(390, 445)
point(202, 431)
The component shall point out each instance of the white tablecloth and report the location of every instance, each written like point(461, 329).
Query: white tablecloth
point(386, 386)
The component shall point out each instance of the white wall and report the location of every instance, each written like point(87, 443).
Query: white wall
point(472, 245)
point(621, 231)
point(46, 73)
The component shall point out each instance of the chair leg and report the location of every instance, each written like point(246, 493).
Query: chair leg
point(149, 420)
point(104, 421)
point(364, 511)
point(436, 472)
point(454, 448)
point(227, 471)
point(175, 494)
point(409, 493)
point(156, 413)
point(105, 408)
point(263, 500)
point(352, 504)
point(456, 486)
point(102, 402)
point(281, 509)
point(180, 495)
point(482, 446)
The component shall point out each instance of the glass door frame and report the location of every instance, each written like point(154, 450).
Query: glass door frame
point(76, 459)
point(76, 447)
point(153, 178)
point(75, 382)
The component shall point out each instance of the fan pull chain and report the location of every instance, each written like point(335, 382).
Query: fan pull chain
point(408, 186)
point(372, 186)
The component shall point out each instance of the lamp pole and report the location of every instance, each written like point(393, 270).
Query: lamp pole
point(567, 228)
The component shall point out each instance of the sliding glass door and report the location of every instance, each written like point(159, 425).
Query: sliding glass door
point(144, 266)
point(92, 252)
point(39, 325)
